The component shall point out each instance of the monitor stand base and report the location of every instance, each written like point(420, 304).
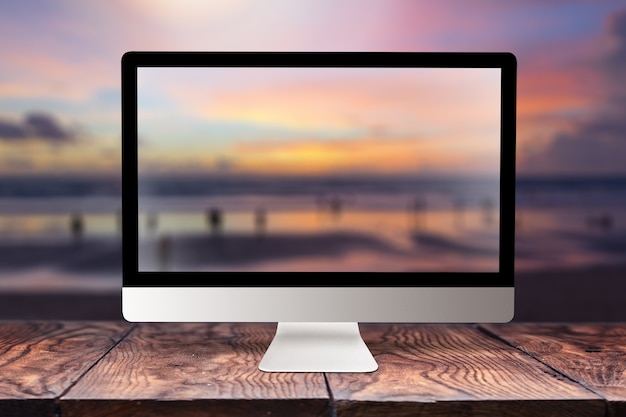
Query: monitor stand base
point(318, 347)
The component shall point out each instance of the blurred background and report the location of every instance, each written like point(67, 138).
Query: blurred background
point(60, 131)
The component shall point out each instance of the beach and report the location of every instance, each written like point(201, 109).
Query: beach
point(575, 271)
point(569, 259)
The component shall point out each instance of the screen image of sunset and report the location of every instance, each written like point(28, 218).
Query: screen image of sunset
point(335, 169)
point(319, 121)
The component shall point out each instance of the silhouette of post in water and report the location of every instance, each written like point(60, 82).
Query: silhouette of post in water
point(260, 221)
point(418, 210)
point(331, 205)
point(459, 211)
point(152, 222)
point(118, 217)
point(488, 208)
point(335, 206)
point(164, 252)
point(214, 220)
point(77, 227)
point(603, 222)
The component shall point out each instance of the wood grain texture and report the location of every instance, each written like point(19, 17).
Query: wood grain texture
point(194, 408)
point(40, 360)
point(98, 369)
point(186, 367)
point(594, 355)
point(436, 370)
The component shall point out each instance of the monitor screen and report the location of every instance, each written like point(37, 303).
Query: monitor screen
point(318, 169)
point(318, 187)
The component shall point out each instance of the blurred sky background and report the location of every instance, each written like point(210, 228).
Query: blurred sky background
point(60, 72)
point(60, 96)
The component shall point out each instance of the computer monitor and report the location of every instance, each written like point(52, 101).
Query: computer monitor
point(318, 190)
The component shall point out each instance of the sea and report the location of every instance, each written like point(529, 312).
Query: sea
point(559, 222)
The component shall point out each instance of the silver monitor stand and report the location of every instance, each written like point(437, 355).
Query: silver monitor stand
point(318, 347)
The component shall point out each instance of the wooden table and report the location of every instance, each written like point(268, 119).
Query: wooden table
point(78, 368)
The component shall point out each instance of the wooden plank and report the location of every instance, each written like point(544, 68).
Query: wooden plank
point(592, 354)
point(40, 360)
point(437, 370)
point(194, 408)
point(194, 369)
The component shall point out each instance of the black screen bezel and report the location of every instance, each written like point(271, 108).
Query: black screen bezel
point(505, 61)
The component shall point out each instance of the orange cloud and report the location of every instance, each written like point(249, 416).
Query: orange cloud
point(383, 155)
point(557, 91)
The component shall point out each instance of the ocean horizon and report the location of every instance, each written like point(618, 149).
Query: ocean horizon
point(53, 194)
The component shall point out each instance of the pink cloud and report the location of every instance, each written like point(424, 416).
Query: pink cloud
point(596, 144)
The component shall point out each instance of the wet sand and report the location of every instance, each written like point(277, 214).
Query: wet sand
point(89, 256)
point(590, 293)
point(580, 295)
point(202, 251)
point(586, 294)
point(243, 251)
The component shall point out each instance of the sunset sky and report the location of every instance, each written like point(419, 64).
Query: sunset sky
point(319, 120)
point(60, 72)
